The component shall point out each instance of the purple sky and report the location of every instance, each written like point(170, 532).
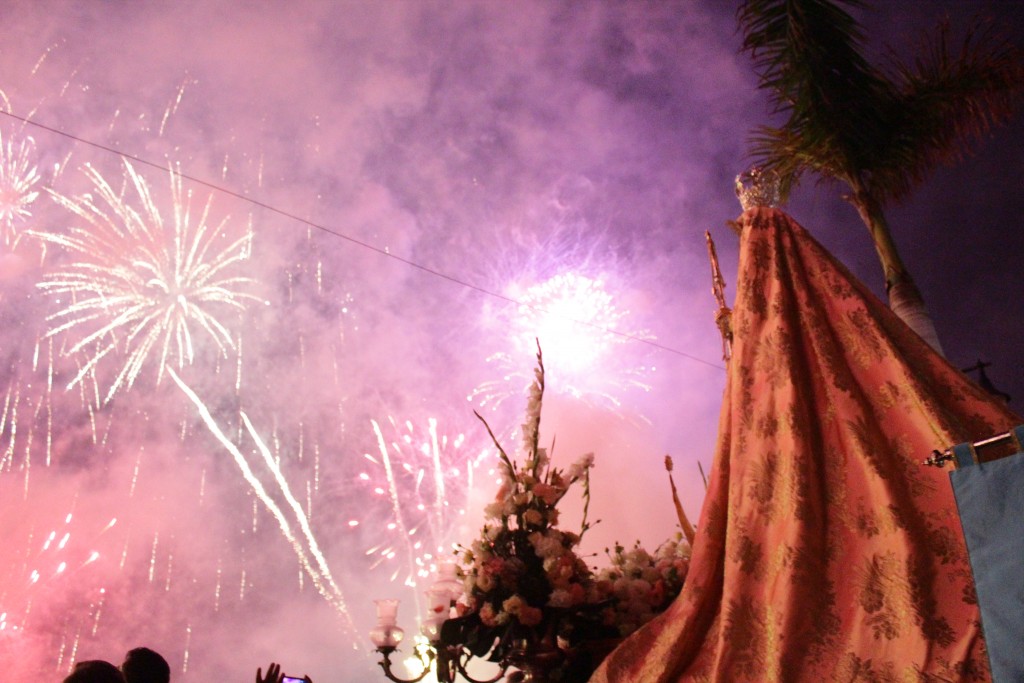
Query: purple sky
point(501, 145)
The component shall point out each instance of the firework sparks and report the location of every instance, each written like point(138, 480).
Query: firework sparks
point(426, 480)
point(131, 286)
point(393, 496)
point(50, 562)
point(581, 328)
point(142, 283)
point(18, 180)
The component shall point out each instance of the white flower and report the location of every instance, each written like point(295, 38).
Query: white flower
point(638, 557)
point(485, 582)
point(580, 467)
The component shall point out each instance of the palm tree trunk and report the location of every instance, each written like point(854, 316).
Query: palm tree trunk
point(905, 298)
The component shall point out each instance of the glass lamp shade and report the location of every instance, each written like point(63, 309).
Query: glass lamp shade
point(448, 581)
point(386, 633)
point(431, 627)
point(439, 601)
point(387, 611)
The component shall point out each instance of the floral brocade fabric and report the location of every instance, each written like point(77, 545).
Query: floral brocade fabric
point(825, 551)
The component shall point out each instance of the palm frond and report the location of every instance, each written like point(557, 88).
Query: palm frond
point(792, 40)
point(948, 100)
point(807, 54)
point(790, 155)
point(879, 131)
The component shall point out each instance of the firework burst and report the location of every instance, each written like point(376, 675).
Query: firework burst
point(141, 283)
point(583, 331)
point(426, 479)
point(19, 178)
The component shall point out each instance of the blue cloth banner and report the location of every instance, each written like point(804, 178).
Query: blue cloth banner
point(990, 499)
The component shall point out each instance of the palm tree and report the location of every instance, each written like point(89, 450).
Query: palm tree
point(879, 131)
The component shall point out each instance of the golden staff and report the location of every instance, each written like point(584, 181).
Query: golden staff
point(688, 531)
point(723, 316)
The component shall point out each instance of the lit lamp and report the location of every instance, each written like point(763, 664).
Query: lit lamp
point(438, 610)
point(387, 634)
point(451, 660)
point(448, 578)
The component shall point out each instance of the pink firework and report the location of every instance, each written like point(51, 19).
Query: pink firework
point(423, 480)
point(584, 331)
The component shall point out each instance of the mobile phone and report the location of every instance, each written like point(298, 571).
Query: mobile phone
point(292, 679)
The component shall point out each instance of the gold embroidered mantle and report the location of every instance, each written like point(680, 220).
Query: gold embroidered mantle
point(824, 552)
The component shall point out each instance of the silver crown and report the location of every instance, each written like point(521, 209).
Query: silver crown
point(758, 188)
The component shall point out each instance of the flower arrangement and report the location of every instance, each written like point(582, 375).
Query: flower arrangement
point(642, 584)
point(527, 591)
point(525, 585)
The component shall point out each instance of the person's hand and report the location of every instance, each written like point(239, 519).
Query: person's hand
point(273, 674)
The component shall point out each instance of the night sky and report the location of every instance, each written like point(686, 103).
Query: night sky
point(408, 174)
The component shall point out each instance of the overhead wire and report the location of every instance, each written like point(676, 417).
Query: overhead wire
point(336, 233)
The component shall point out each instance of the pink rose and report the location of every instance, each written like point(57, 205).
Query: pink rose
point(548, 493)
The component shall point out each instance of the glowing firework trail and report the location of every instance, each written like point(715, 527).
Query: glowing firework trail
point(321, 577)
point(9, 417)
point(173, 108)
point(300, 514)
point(143, 280)
point(23, 412)
point(439, 499)
point(52, 545)
point(396, 506)
point(18, 180)
point(49, 393)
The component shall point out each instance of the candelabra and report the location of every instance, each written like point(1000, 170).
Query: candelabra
point(447, 661)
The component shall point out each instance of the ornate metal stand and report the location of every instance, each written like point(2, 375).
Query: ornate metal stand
point(448, 662)
point(426, 656)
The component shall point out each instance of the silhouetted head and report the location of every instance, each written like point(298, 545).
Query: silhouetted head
point(94, 671)
point(143, 665)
